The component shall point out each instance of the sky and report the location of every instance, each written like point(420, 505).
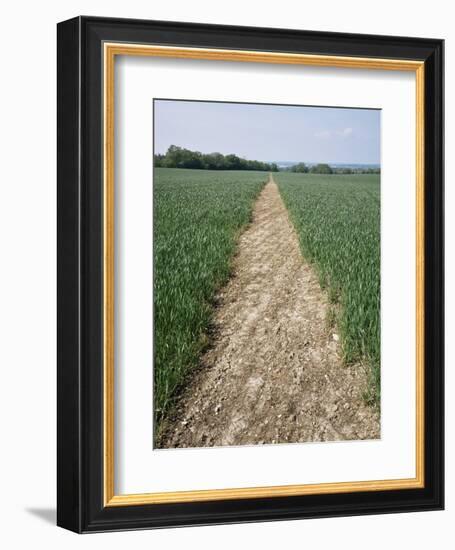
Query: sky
point(270, 132)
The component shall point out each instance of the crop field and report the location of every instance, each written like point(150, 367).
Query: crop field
point(337, 219)
point(198, 215)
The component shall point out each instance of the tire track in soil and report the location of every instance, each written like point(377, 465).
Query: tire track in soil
point(273, 373)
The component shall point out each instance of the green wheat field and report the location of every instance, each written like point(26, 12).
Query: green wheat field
point(337, 219)
point(198, 217)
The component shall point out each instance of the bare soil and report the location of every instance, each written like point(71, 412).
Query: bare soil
point(273, 372)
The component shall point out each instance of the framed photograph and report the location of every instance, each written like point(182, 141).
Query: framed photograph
point(250, 274)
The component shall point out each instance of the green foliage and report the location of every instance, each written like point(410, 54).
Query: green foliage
point(178, 157)
point(348, 171)
point(273, 167)
point(321, 169)
point(338, 223)
point(300, 168)
point(198, 216)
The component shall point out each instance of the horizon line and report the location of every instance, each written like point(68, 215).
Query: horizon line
point(270, 161)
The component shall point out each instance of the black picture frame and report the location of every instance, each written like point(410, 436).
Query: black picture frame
point(80, 476)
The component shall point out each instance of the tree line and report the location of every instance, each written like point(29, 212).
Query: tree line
point(323, 168)
point(178, 157)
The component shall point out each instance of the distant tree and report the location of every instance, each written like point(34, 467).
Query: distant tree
point(214, 161)
point(173, 157)
point(321, 169)
point(158, 160)
point(343, 171)
point(232, 162)
point(347, 171)
point(178, 157)
point(300, 168)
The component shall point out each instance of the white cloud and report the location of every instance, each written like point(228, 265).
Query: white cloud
point(346, 132)
point(326, 134)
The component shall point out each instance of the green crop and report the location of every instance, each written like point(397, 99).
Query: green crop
point(198, 215)
point(337, 219)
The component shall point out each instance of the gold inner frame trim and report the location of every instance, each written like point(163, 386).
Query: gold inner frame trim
point(110, 50)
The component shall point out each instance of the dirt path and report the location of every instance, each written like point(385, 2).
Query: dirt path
point(273, 373)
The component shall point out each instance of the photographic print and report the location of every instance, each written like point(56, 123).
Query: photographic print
point(267, 274)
